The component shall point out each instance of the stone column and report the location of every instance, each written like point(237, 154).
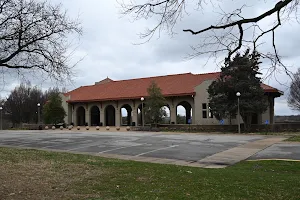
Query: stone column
point(173, 114)
point(69, 114)
point(193, 113)
point(74, 119)
point(102, 116)
point(87, 115)
point(118, 117)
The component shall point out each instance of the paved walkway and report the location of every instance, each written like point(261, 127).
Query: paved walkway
point(209, 151)
point(237, 154)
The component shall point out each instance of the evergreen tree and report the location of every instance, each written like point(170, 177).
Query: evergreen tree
point(154, 111)
point(53, 111)
point(238, 75)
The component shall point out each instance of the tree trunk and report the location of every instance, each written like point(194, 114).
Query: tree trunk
point(247, 122)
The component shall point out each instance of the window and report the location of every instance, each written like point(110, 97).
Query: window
point(204, 110)
point(204, 114)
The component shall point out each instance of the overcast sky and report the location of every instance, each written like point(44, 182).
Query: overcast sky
point(107, 46)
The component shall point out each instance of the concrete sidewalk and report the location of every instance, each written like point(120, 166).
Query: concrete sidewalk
point(237, 154)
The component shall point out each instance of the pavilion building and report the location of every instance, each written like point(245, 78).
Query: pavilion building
point(101, 103)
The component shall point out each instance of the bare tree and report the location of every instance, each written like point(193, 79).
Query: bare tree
point(294, 96)
point(21, 104)
point(34, 36)
point(227, 35)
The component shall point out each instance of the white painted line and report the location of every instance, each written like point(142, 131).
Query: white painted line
point(157, 150)
point(53, 145)
point(61, 144)
point(85, 146)
point(19, 144)
point(24, 144)
point(121, 148)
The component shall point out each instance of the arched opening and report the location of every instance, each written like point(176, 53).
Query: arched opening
point(166, 116)
point(184, 113)
point(126, 119)
point(110, 116)
point(80, 116)
point(95, 116)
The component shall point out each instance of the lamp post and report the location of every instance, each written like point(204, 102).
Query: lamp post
point(238, 94)
point(39, 106)
point(1, 108)
point(142, 99)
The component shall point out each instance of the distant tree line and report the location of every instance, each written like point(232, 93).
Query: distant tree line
point(288, 118)
point(22, 103)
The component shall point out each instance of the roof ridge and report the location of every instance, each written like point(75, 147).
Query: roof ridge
point(208, 73)
point(114, 81)
point(153, 77)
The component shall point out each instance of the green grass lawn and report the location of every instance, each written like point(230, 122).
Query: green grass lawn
point(32, 174)
point(294, 139)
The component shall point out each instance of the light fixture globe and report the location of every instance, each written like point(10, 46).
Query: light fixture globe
point(142, 98)
point(238, 94)
point(38, 104)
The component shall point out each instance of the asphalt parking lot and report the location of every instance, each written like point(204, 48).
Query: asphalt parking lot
point(282, 150)
point(185, 147)
point(178, 146)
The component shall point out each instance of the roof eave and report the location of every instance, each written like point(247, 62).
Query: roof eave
point(126, 98)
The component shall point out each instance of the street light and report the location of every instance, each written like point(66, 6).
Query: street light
point(238, 94)
point(1, 108)
point(142, 99)
point(38, 105)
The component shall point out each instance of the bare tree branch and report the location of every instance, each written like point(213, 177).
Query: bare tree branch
point(226, 36)
point(33, 35)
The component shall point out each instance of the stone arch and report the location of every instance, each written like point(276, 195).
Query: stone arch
point(127, 119)
point(80, 116)
point(110, 115)
point(188, 111)
point(95, 116)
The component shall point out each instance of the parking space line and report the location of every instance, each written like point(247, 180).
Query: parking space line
point(15, 143)
point(85, 146)
point(60, 144)
point(121, 148)
point(156, 150)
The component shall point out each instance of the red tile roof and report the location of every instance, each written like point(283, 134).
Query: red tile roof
point(171, 85)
